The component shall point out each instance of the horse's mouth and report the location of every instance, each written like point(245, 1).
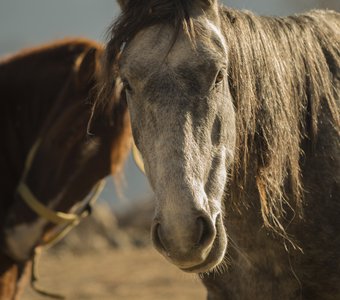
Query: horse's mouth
point(216, 254)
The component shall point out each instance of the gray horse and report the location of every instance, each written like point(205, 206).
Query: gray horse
point(237, 120)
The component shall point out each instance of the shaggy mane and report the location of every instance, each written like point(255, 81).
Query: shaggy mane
point(137, 15)
point(282, 71)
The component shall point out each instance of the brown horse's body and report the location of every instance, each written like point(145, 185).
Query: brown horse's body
point(45, 95)
point(236, 117)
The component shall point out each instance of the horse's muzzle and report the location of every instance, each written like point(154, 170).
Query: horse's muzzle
point(192, 245)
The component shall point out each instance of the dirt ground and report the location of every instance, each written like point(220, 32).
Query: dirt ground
point(128, 274)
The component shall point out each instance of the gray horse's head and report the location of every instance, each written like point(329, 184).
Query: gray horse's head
point(183, 123)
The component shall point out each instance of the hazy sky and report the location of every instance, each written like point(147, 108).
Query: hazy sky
point(27, 22)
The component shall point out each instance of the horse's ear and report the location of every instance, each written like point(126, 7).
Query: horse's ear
point(109, 105)
point(122, 3)
point(87, 66)
point(209, 3)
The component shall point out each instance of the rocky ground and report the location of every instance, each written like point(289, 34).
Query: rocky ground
point(129, 274)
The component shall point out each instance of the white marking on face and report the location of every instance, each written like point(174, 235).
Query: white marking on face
point(22, 239)
point(218, 33)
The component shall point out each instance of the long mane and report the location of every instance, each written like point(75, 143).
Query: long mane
point(282, 72)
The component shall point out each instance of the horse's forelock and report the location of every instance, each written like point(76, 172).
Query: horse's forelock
point(136, 15)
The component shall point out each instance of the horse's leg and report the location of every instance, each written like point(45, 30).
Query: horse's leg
point(8, 278)
point(22, 279)
point(12, 278)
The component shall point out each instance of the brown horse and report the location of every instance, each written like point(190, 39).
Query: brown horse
point(46, 104)
point(237, 120)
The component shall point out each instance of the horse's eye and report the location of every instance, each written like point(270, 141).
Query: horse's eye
point(127, 86)
point(219, 77)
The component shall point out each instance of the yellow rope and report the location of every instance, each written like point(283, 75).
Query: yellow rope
point(33, 202)
point(57, 237)
point(35, 278)
point(40, 209)
point(56, 217)
point(30, 157)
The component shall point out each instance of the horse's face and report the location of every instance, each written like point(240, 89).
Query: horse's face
point(67, 162)
point(63, 171)
point(183, 123)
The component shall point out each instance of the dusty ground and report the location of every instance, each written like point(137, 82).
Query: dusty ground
point(127, 274)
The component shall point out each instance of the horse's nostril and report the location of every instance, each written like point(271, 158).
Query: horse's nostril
point(157, 237)
point(206, 231)
point(186, 241)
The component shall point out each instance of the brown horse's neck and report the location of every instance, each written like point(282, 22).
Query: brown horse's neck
point(30, 83)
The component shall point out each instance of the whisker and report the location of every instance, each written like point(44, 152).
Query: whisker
point(240, 251)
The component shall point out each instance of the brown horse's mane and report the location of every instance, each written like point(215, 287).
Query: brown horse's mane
point(282, 71)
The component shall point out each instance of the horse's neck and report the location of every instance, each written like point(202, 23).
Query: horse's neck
point(12, 278)
point(29, 96)
point(28, 100)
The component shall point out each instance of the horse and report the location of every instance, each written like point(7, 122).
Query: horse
point(236, 118)
point(49, 153)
